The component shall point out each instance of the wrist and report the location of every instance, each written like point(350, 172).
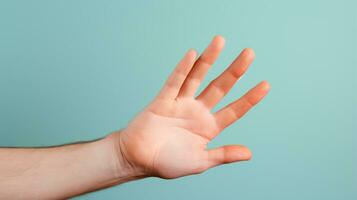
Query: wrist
point(121, 167)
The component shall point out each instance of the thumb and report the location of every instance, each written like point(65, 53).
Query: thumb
point(228, 154)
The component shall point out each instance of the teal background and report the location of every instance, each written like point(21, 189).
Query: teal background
point(77, 70)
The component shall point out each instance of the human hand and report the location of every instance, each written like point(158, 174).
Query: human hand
point(169, 137)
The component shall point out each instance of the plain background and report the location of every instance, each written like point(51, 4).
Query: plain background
point(77, 70)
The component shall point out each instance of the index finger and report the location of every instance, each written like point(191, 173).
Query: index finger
point(238, 108)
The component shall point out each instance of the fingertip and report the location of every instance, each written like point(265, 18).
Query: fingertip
point(265, 85)
point(249, 154)
point(219, 37)
point(218, 41)
point(191, 53)
point(245, 153)
point(249, 52)
point(236, 153)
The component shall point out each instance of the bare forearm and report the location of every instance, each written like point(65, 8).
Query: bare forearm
point(168, 139)
point(60, 172)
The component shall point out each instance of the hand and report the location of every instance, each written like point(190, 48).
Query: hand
point(169, 137)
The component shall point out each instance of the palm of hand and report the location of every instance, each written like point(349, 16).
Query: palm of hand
point(169, 138)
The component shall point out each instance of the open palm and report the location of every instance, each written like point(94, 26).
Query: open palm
point(169, 137)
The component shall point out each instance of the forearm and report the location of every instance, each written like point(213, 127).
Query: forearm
point(168, 139)
point(60, 172)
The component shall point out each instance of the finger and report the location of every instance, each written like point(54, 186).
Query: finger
point(201, 67)
point(219, 87)
point(178, 76)
point(237, 109)
point(228, 154)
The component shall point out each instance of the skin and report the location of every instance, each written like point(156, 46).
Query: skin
point(168, 139)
